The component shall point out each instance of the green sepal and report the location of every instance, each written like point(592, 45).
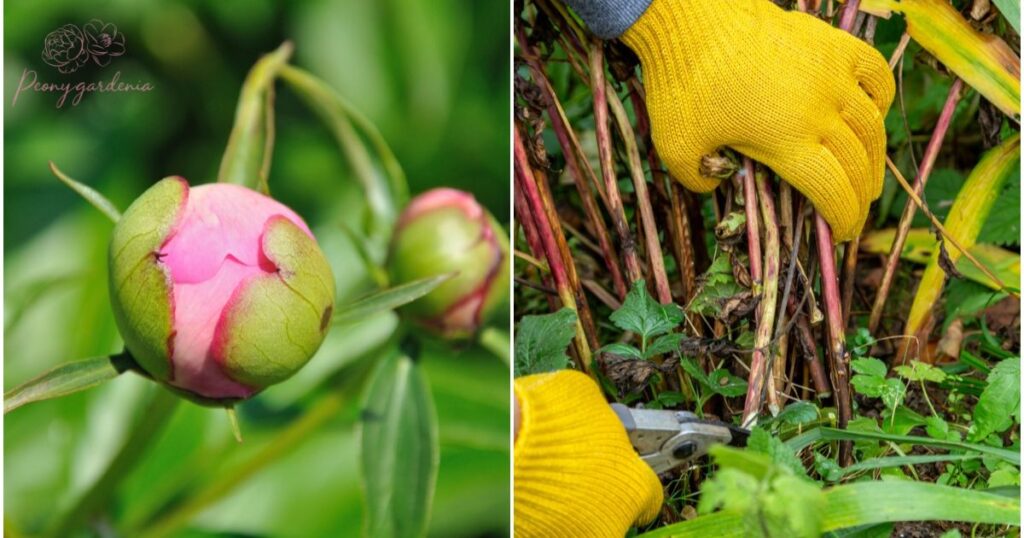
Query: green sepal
point(277, 321)
point(140, 288)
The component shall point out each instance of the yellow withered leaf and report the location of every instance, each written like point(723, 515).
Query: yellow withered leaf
point(967, 215)
point(921, 245)
point(983, 61)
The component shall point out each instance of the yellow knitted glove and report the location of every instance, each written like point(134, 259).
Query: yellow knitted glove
point(781, 87)
point(576, 474)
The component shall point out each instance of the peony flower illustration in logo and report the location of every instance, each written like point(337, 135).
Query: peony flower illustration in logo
point(104, 41)
point(65, 48)
point(69, 47)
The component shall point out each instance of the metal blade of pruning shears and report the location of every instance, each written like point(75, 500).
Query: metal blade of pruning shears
point(667, 439)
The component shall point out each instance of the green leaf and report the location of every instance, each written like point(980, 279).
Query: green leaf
point(771, 503)
point(827, 468)
point(877, 502)
point(388, 299)
point(541, 342)
point(893, 392)
point(668, 343)
point(670, 398)
point(750, 462)
point(797, 413)
point(400, 451)
point(1011, 12)
point(730, 489)
point(1004, 477)
point(867, 503)
point(696, 372)
point(717, 285)
point(246, 159)
point(722, 382)
point(733, 223)
point(624, 350)
point(781, 454)
point(385, 192)
point(869, 366)
point(868, 385)
point(920, 371)
point(641, 314)
point(1000, 401)
point(1003, 224)
point(936, 428)
point(900, 461)
point(100, 495)
point(67, 378)
point(91, 195)
point(791, 508)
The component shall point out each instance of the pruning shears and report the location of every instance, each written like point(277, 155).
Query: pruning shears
point(668, 439)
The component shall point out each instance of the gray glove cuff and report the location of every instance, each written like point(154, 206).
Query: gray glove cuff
point(609, 19)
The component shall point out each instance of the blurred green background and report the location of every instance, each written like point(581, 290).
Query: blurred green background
point(432, 75)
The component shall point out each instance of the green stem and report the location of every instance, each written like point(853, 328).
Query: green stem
point(145, 431)
point(382, 196)
point(497, 342)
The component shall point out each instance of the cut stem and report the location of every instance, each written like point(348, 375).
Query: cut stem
point(769, 289)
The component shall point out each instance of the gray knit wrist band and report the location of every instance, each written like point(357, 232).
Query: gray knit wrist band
point(609, 19)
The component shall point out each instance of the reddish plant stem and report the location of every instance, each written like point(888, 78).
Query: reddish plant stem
point(830, 296)
point(753, 230)
point(551, 212)
point(849, 15)
point(925, 170)
point(524, 217)
point(642, 195)
point(526, 182)
point(571, 151)
point(835, 332)
point(804, 335)
point(849, 277)
point(679, 221)
point(769, 290)
point(604, 147)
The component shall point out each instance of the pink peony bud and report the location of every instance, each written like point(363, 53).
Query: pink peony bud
point(218, 291)
point(444, 231)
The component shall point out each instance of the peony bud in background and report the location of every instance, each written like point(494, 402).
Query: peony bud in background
point(217, 290)
point(445, 231)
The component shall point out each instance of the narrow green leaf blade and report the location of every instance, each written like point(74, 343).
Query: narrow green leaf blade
point(388, 299)
point(147, 430)
point(65, 379)
point(246, 159)
point(91, 195)
point(899, 461)
point(1011, 12)
point(400, 451)
point(832, 434)
point(862, 503)
point(866, 503)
